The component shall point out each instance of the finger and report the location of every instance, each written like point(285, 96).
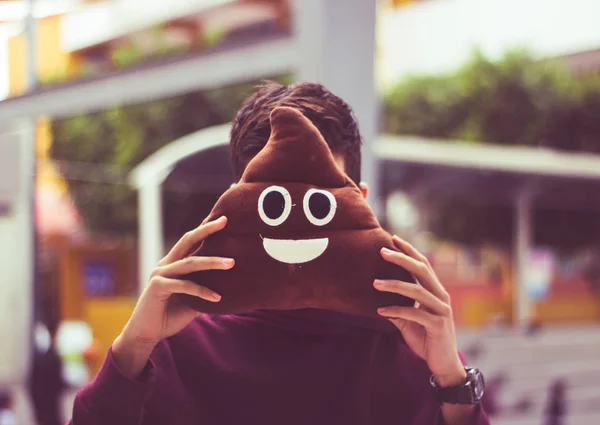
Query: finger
point(420, 270)
point(194, 264)
point(423, 318)
point(416, 292)
point(415, 267)
point(409, 250)
point(191, 239)
point(168, 287)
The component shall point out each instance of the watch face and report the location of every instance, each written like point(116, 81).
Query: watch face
point(478, 385)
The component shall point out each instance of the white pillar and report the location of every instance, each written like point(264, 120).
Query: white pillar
point(522, 246)
point(150, 238)
point(336, 47)
point(16, 259)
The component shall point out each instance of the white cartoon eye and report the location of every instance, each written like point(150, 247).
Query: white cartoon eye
point(274, 205)
point(319, 206)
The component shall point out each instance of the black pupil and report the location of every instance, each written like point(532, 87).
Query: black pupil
point(273, 205)
point(319, 205)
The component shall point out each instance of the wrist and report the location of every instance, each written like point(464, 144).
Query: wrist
point(130, 340)
point(130, 355)
point(451, 378)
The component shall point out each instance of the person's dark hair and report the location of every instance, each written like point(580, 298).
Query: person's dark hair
point(333, 117)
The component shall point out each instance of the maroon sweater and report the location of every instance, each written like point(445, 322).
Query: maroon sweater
point(298, 367)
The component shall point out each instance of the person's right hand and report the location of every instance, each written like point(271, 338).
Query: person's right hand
point(157, 315)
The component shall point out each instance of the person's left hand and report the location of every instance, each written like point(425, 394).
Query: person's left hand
point(427, 328)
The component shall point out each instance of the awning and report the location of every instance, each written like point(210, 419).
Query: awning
point(489, 174)
point(227, 64)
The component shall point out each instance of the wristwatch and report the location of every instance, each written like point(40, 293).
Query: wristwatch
point(470, 392)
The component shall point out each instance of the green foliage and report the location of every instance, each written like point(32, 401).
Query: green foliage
point(130, 52)
point(211, 38)
point(513, 101)
point(126, 54)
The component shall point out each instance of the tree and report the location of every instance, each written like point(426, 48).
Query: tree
point(514, 101)
point(119, 138)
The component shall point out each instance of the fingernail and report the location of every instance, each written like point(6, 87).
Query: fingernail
point(379, 282)
point(382, 310)
point(386, 251)
point(215, 296)
point(222, 218)
point(227, 261)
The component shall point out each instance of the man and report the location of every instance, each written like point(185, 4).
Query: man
point(46, 382)
point(171, 365)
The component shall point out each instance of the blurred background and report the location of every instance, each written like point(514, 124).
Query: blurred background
point(481, 121)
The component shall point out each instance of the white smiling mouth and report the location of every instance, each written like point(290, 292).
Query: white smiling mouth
point(295, 251)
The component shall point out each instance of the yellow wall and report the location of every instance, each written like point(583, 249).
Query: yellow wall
point(52, 60)
point(47, 173)
point(568, 309)
point(72, 295)
point(476, 311)
point(107, 317)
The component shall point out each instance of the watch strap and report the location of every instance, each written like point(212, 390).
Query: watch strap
point(464, 393)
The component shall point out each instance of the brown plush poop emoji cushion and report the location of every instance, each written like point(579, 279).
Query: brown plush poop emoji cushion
point(300, 232)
